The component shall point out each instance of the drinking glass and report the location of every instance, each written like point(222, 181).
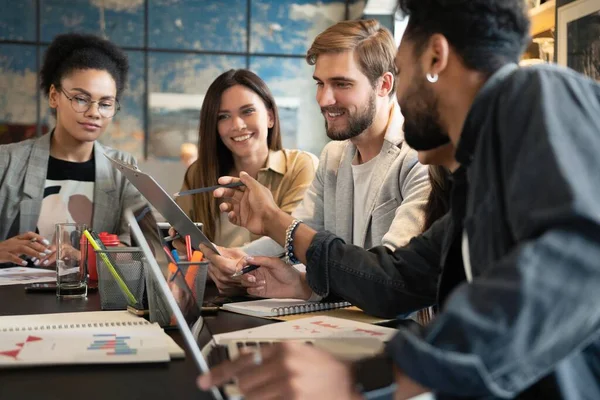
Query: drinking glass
point(71, 256)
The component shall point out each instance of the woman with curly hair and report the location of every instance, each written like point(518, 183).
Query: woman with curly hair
point(64, 176)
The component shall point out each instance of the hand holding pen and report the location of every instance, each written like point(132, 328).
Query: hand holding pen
point(251, 267)
point(207, 189)
point(273, 277)
point(251, 206)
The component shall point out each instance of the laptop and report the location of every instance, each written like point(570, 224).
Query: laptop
point(144, 230)
point(163, 202)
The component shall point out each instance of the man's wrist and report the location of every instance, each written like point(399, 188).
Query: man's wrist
point(276, 225)
point(304, 290)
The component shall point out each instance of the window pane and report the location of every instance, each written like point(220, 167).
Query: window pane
point(127, 129)
point(290, 26)
point(290, 81)
point(17, 20)
point(177, 85)
point(18, 110)
point(121, 21)
point(213, 25)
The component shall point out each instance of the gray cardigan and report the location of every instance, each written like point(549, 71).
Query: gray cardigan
point(397, 197)
point(23, 170)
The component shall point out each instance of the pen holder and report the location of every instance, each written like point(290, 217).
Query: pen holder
point(188, 290)
point(128, 265)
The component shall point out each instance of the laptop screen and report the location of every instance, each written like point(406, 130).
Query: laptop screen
point(178, 284)
point(146, 233)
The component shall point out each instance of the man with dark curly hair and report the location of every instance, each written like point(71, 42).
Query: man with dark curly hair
point(64, 176)
point(519, 277)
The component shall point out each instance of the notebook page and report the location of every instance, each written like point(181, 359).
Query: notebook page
point(317, 327)
point(83, 320)
point(352, 313)
point(112, 345)
point(23, 321)
point(262, 308)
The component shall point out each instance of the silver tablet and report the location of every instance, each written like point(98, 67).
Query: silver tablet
point(165, 205)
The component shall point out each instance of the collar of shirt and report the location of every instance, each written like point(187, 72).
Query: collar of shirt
point(477, 113)
point(276, 161)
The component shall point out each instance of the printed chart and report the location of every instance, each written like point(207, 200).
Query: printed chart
point(112, 345)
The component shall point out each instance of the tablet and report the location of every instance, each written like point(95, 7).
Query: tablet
point(163, 202)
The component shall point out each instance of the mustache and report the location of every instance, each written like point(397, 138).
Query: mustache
point(332, 110)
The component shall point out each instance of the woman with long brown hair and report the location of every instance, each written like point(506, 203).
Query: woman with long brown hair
point(240, 131)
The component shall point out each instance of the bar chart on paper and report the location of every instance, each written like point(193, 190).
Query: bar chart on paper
point(102, 346)
point(112, 345)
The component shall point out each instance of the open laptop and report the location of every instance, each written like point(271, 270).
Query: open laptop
point(144, 230)
point(163, 202)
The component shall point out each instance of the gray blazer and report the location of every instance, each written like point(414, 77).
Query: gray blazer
point(23, 170)
point(397, 197)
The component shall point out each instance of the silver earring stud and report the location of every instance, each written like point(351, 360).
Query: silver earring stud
point(432, 78)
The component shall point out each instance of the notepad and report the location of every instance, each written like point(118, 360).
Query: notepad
point(318, 327)
point(83, 338)
point(280, 307)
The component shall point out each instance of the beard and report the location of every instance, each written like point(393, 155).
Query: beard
point(357, 123)
point(422, 127)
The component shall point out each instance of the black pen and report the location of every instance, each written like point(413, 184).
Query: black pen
point(251, 267)
point(171, 238)
point(207, 189)
point(245, 270)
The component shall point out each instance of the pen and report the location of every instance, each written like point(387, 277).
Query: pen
point(177, 261)
point(111, 268)
point(175, 256)
point(207, 189)
point(245, 270)
point(169, 256)
point(251, 267)
point(171, 238)
point(188, 247)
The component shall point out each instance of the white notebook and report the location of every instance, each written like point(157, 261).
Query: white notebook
point(280, 307)
point(83, 338)
point(318, 327)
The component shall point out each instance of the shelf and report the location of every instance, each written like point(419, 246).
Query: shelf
point(543, 17)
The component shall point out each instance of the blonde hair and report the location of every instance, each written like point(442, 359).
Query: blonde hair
point(373, 47)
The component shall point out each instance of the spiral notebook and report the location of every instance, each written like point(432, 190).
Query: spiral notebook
point(280, 307)
point(83, 338)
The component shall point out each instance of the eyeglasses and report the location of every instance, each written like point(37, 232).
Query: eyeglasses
point(81, 103)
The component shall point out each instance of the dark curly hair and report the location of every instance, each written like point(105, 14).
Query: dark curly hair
point(486, 34)
point(73, 51)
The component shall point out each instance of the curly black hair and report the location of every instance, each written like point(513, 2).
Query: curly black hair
point(73, 51)
point(486, 34)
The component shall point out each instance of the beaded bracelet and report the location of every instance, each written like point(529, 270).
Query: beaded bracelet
point(290, 258)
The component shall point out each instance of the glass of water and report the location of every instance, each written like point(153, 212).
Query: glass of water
point(71, 257)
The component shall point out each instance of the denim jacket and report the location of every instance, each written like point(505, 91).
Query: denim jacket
point(528, 324)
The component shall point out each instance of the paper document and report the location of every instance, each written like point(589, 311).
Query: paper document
point(25, 275)
point(312, 328)
point(83, 338)
point(98, 346)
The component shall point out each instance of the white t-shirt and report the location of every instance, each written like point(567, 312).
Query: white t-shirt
point(68, 195)
point(361, 175)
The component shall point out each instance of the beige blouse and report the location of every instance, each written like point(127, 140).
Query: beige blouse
point(287, 174)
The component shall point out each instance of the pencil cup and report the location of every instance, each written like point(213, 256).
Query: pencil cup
point(187, 286)
point(121, 280)
point(71, 250)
